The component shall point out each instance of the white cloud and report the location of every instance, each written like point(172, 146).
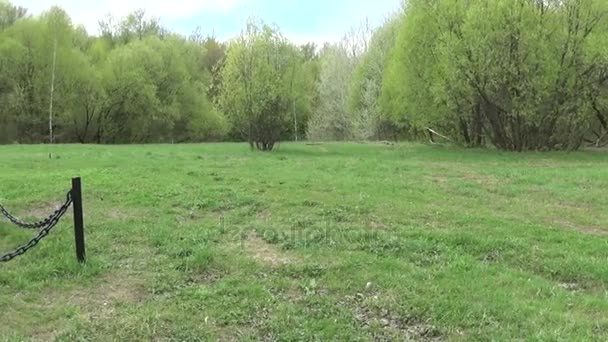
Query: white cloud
point(319, 39)
point(89, 12)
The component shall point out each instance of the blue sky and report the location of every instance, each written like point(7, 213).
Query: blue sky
point(300, 20)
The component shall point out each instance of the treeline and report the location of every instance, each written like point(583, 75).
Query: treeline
point(513, 74)
point(135, 83)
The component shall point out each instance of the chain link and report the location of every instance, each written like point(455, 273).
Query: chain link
point(52, 222)
point(25, 225)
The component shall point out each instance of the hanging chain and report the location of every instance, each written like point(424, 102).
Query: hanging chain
point(22, 224)
point(51, 222)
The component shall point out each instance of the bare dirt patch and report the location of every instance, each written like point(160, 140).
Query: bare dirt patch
point(118, 214)
point(48, 333)
point(376, 223)
point(94, 302)
point(99, 301)
point(265, 253)
point(482, 180)
point(578, 206)
point(385, 324)
point(439, 179)
point(572, 287)
point(585, 229)
point(42, 210)
point(264, 215)
point(208, 277)
point(18, 319)
point(395, 327)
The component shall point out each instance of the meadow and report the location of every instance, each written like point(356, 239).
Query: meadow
point(311, 242)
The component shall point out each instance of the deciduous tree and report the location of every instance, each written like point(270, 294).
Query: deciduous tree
point(257, 84)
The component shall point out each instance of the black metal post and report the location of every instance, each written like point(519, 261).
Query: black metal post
point(78, 219)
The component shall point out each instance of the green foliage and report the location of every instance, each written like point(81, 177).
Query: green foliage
point(304, 91)
point(156, 93)
point(331, 120)
point(513, 74)
point(258, 84)
point(519, 73)
point(212, 59)
point(136, 83)
point(370, 122)
point(24, 54)
point(9, 14)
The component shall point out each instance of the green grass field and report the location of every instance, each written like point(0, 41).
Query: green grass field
point(323, 242)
